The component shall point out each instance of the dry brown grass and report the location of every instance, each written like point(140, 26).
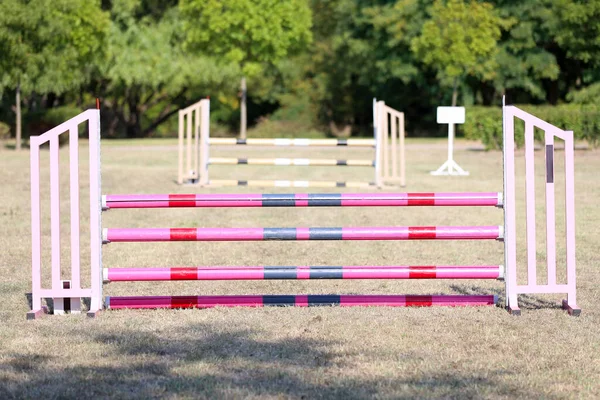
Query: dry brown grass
point(299, 353)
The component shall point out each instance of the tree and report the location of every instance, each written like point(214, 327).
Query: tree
point(146, 68)
point(576, 28)
point(249, 33)
point(459, 40)
point(46, 46)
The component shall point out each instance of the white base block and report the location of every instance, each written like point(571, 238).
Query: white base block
point(450, 167)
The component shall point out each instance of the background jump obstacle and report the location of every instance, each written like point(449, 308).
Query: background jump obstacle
point(70, 292)
point(195, 143)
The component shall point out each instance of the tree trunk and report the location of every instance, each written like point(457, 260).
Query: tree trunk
point(134, 120)
point(243, 121)
point(18, 111)
point(455, 92)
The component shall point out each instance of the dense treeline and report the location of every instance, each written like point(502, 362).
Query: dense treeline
point(314, 64)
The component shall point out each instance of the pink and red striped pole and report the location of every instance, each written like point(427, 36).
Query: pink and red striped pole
point(263, 234)
point(304, 272)
point(303, 200)
point(299, 301)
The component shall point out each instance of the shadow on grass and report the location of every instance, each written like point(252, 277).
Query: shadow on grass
point(527, 302)
point(202, 363)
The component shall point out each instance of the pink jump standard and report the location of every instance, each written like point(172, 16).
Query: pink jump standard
point(68, 293)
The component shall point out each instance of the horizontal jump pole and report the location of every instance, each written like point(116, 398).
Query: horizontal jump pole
point(303, 272)
point(266, 234)
point(293, 142)
point(290, 162)
point(288, 183)
point(298, 301)
point(302, 200)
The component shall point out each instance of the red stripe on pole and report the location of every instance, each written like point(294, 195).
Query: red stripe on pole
point(184, 301)
point(421, 199)
point(183, 274)
point(182, 234)
point(182, 200)
point(421, 272)
point(419, 301)
point(421, 232)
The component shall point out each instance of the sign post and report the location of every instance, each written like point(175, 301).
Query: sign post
point(450, 116)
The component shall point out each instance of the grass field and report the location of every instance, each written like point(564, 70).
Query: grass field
point(299, 353)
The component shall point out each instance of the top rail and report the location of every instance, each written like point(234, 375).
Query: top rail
point(293, 142)
point(302, 200)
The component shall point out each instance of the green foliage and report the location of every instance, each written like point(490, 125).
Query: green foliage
point(48, 45)
point(485, 123)
point(42, 120)
point(267, 128)
point(525, 58)
point(459, 39)
point(295, 117)
point(4, 131)
point(577, 29)
point(588, 95)
point(147, 74)
point(247, 32)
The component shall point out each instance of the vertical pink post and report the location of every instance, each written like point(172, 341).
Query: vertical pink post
point(55, 222)
point(510, 244)
point(74, 193)
point(36, 236)
point(530, 203)
point(379, 135)
point(195, 113)
point(570, 304)
point(95, 215)
point(550, 210)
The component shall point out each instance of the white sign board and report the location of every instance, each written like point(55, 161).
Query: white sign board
point(450, 115)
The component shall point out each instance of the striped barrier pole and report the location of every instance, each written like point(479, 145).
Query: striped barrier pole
point(471, 199)
point(290, 162)
point(298, 301)
point(265, 234)
point(288, 183)
point(304, 272)
point(292, 142)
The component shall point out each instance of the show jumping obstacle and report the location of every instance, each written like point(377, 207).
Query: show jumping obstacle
point(195, 143)
point(68, 293)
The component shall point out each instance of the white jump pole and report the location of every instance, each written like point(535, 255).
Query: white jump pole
point(450, 116)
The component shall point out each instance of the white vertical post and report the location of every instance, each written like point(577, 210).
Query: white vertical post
point(188, 133)
point(377, 134)
point(204, 140)
point(196, 114)
point(401, 133)
point(180, 149)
